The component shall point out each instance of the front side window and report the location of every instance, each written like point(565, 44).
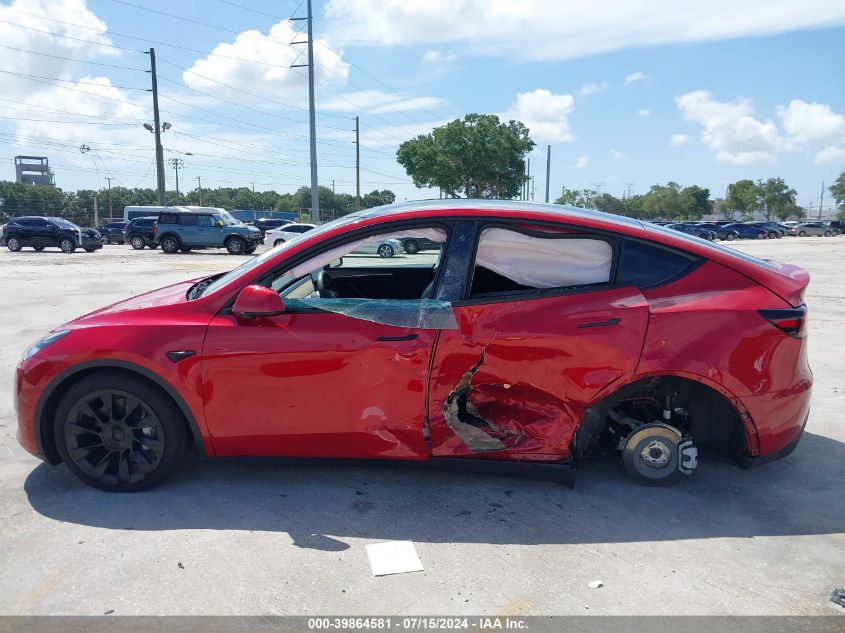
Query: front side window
point(205, 220)
point(509, 261)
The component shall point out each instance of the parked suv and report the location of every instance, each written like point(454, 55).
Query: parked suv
point(268, 224)
point(112, 233)
point(210, 228)
point(40, 233)
point(139, 232)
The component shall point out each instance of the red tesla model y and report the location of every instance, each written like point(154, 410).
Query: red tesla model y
point(492, 330)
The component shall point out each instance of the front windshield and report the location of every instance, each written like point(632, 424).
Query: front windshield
point(63, 224)
point(226, 219)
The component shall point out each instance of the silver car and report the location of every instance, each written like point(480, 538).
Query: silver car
point(814, 228)
point(384, 248)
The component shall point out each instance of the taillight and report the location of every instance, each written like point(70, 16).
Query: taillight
point(155, 228)
point(265, 234)
point(789, 321)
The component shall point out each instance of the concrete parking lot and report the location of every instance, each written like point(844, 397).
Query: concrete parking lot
point(281, 537)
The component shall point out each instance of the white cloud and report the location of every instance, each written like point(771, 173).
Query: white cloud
point(592, 88)
point(377, 102)
point(545, 114)
point(644, 112)
point(677, 140)
point(551, 29)
point(830, 154)
point(68, 13)
point(730, 130)
point(582, 161)
point(808, 122)
point(635, 77)
point(437, 56)
point(267, 70)
point(617, 154)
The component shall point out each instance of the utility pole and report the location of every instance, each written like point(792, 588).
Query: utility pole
point(177, 163)
point(333, 191)
point(312, 123)
point(528, 179)
point(110, 211)
point(548, 169)
point(96, 213)
point(532, 188)
point(357, 167)
point(162, 198)
point(199, 188)
point(598, 186)
point(821, 200)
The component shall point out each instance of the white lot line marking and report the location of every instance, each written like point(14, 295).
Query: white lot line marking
point(393, 557)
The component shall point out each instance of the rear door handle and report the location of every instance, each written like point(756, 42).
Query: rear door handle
point(612, 321)
point(407, 337)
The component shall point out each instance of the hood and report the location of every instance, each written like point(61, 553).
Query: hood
point(169, 295)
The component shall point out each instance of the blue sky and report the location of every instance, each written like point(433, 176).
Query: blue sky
point(623, 94)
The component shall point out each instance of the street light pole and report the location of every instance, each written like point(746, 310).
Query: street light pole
point(199, 188)
point(110, 210)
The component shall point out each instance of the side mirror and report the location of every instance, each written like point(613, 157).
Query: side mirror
point(257, 301)
point(336, 263)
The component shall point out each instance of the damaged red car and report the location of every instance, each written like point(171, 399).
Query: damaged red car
point(522, 333)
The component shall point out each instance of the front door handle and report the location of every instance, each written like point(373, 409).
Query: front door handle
point(407, 337)
point(612, 321)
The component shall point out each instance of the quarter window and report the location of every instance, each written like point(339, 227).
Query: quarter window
point(642, 264)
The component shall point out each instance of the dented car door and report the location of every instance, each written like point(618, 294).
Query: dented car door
point(515, 377)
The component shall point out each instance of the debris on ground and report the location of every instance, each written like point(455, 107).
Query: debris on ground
point(596, 584)
point(181, 566)
point(838, 596)
point(393, 557)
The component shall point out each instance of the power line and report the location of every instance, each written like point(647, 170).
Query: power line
point(94, 94)
point(72, 81)
point(71, 59)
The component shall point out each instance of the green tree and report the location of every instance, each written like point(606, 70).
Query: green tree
point(776, 198)
point(743, 197)
point(664, 201)
point(477, 157)
point(837, 190)
point(584, 198)
point(696, 202)
point(609, 204)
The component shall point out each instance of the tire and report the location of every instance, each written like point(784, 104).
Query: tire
point(411, 247)
point(38, 249)
point(277, 242)
point(235, 245)
point(106, 239)
point(136, 242)
point(827, 233)
point(133, 441)
point(730, 237)
point(14, 244)
point(385, 251)
point(802, 233)
point(67, 245)
point(170, 244)
point(651, 454)
point(761, 236)
point(90, 250)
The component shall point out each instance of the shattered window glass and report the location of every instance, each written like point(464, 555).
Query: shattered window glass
point(424, 314)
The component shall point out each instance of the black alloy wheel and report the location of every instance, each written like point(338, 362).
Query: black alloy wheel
point(118, 433)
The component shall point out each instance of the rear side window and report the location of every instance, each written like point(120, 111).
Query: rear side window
point(188, 220)
point(509, 261)
point(168, 218)
point(643, 265)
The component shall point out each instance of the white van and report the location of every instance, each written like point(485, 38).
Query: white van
point(132, 212)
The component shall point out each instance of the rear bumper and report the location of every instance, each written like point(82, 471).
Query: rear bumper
point(748, 461)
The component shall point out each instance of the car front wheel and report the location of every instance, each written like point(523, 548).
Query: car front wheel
point(730, 237)
point(277, 242)
point(137, 242)
point(802, 233)
point(385, 250)
point(67, 245)
point(761, 236)
point(106, 239)
point(412, 246)
point(235, 246)
point(827, 233)
point(119, 433)
point(170, 245)
point(13, 244)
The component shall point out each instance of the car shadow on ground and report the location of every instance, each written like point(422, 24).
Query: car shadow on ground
point(321, 504)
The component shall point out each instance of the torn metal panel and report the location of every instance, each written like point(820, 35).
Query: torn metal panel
point(424, 314)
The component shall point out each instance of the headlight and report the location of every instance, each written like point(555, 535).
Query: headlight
point(51, 338)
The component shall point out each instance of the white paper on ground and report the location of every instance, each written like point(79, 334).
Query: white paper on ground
point(393, 557)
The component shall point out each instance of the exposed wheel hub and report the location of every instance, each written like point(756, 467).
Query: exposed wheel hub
point(655, 454)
